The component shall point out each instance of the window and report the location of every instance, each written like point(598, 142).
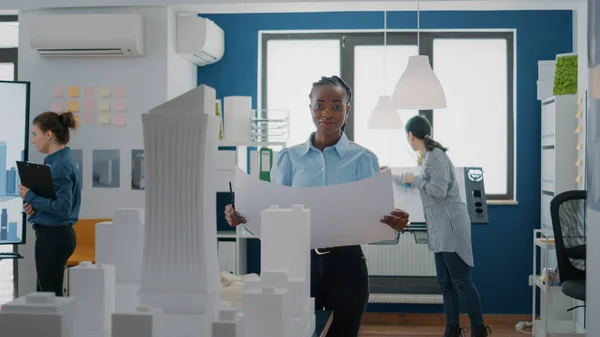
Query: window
point(475, 68)
point(8, 72)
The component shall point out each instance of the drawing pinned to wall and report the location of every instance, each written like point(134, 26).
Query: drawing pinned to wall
point(89, 91)
point(119, 120)
point(104, 118)
point(73, 91)
point(120, 92)
point(104, 91)
point(104, 105)
point(77, 156)
point(57, 107)
point(106, 168)
point(138, 171)
point(89, 105)
point(57, 92)
point(120, 105)
point(73, 106)
point(89, 118)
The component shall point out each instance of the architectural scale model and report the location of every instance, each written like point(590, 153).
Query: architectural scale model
point(178, 282)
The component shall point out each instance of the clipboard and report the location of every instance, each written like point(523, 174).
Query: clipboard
point(38, 178)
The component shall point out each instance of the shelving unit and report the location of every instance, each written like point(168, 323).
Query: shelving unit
point(558, 174)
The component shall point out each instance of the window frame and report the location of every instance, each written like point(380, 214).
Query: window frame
point(350, 39)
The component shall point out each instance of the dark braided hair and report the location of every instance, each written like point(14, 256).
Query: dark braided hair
point(337, 81)
point(420, 127)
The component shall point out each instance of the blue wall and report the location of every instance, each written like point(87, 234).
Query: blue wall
point(503, 249)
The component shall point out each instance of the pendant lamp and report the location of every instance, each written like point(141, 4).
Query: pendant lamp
point(419, 88)
point(385, 116)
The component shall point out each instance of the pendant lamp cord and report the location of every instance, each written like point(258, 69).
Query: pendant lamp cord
point(418, 26)
point(384, 52)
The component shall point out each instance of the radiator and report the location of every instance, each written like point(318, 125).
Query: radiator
point(407, 258)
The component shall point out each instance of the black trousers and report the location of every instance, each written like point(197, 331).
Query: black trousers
point(340, 283)
point(54, 246)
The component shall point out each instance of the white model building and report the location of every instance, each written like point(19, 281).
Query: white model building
point(283, 291)
point(121, 243)
point(105, 172)
point(93, 287)
point(144, 322)
point(39, 314)
point(230, 322)
point(180, 272)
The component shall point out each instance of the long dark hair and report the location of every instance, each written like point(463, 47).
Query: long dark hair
point(334, 80)
point(420, 127)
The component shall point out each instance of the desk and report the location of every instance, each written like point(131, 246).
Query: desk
point(323, 319)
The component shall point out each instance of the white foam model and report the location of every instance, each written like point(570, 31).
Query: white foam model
point(93, 286)
point(180, 272)
point(139, 174)
point(282, 293)
point(144, 322)
point(230, 322)
point(105, 172)
point(237, 111)
point(39, 314)
point(121, 243)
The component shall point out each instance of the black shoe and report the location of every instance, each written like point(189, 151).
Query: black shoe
point(481, 331)
point(455, 331)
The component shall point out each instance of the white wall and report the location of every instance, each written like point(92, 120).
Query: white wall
point(149, 80)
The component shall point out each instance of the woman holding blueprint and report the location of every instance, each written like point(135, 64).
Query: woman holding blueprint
point(448, 227)
point(339, 277)
point(53, 219)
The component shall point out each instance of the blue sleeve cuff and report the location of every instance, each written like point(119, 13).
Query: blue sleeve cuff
point(29, 196)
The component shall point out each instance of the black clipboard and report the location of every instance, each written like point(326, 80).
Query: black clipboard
point(38, 178)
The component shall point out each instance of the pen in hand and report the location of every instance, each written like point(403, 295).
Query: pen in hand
point(231, 196)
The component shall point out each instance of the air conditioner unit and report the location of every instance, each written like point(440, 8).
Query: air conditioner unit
point(88, 35)
point(199, 40)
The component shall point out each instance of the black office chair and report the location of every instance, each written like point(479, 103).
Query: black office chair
point(567, 210)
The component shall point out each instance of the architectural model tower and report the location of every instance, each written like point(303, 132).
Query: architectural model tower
point(139, 175)
point(105, 172)
point(180, 271)
point(3, 225)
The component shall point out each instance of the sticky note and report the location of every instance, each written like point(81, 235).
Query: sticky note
point(579, 178)
point(73, 106)
point(89, 105)
point(104, 118)
point(579, 129)
point(89, 91)
point(104, 105)
point(57, 107)
point(120, 105)
point(57, 92)
point(579, 161)
point(88, 118)
point(119, 120)
point(73, 91)
point(104, 91)
point(76, 119)
point(579, 113)
point(580, 145)
point(120, 92)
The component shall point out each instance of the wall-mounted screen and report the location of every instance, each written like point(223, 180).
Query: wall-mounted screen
point(14, 140)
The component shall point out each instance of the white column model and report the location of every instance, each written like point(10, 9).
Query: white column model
point(180, 271)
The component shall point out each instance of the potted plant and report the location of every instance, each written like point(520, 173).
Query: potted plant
point(565, 75)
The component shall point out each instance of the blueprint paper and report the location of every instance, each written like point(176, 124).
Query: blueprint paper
point(341, 215)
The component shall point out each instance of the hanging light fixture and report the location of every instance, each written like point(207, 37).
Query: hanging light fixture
point(385, 116)
point(419, 88)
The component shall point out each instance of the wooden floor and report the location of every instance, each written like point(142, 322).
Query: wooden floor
point(433, 325)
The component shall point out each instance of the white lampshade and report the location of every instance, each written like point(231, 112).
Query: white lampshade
point(385, 116)
point(419, 88)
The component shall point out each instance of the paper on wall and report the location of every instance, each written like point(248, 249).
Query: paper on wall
point(341, 215)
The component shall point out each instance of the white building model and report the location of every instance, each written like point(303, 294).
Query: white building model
point(178, 280)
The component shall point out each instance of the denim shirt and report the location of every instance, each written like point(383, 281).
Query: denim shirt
point(304, 165)
point(67, 184)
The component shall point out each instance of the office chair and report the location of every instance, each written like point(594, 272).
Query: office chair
point(567, 210)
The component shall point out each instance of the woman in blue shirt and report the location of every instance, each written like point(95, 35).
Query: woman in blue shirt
point(339, 277)
point(448, 228)
point(53, 220)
